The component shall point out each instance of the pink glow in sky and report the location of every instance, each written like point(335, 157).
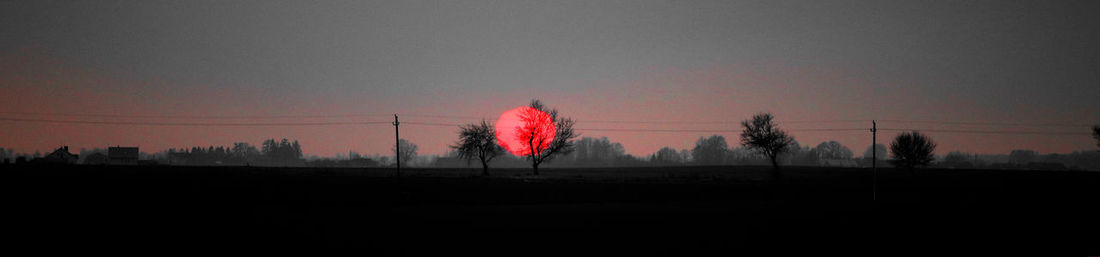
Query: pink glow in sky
point(823, 68)
point(702, 99)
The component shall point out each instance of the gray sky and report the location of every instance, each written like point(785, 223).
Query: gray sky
point(982, 61)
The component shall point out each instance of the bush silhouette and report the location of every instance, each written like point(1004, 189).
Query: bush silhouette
point(912, 149)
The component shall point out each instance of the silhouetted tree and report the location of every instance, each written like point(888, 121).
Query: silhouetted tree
point(7, 154)
point(282, 152)
point(710, 150)
point(801, 155)
point(912, 149)
point(597, 151)
point(880, 152)
point(833, 150)
point(478, 141)
point(243, 152)
point(538, 134)
point(685, 155)
point(408, 151)
point(958, 159)
point(1096, 134)
point(1021, 157)
point(763, 135)
point(666, 155)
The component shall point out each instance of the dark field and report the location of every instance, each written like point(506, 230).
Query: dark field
point(620, 211)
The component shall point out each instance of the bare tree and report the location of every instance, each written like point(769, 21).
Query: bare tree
point(408, 151)
point(958, 160)
point(833, 150)
point(912, 149)
point(1096, 134)
point(710, 150)
point(546, 140)
point(478, 141)
point(763, 135)
point(666, 155)
point(878, 150)
point(1021, 157)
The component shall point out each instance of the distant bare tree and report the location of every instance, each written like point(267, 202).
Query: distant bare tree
point(958, 160)
point(666, 155)
point(833, 150)
point(912, 149)
point(596, 151)
point(538, 134)
point(710, 150)
point(763, 135)
point(879, 150)
point(478, 141)
point(408, 151)
point(685, 155)
point(7, 155)
point(1096, 134)
point(1021, 157)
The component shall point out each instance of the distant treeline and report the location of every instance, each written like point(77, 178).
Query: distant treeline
point(271, 152)
point(714, 150)
point(591, 152)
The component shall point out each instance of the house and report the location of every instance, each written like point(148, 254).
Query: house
point(60, 156)
point(122, 155)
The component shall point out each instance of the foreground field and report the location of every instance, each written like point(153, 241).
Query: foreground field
point(666, 211)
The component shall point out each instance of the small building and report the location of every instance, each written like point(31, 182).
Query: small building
point(122, 155)
point(59, 156)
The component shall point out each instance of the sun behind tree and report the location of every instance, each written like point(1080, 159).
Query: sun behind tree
point(545, 140)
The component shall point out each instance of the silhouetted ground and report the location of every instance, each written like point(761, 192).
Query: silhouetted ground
point(620, 211)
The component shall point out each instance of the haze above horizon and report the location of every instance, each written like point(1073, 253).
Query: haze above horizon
point(977, 76)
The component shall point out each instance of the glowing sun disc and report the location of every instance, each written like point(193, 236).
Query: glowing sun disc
point(513, 128)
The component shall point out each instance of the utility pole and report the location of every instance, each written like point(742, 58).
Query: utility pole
point(397, 143)
point(874, 159)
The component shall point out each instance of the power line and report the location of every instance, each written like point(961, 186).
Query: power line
point(990, 123)
point(255, 124)
point(193, 123)
point(442, 116)
point(709, 130)
point(654, 130)
point(993, 132)
point(803, 130)
point(431, 124)
point(710, 122)
point(191, 116)
point(232, 116)
point(579, 120)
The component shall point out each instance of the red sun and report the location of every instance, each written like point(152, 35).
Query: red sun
point(519, 129)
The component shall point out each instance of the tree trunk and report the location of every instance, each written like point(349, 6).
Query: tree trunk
point(535, 167)
point(484, 167)
point(775, 168)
